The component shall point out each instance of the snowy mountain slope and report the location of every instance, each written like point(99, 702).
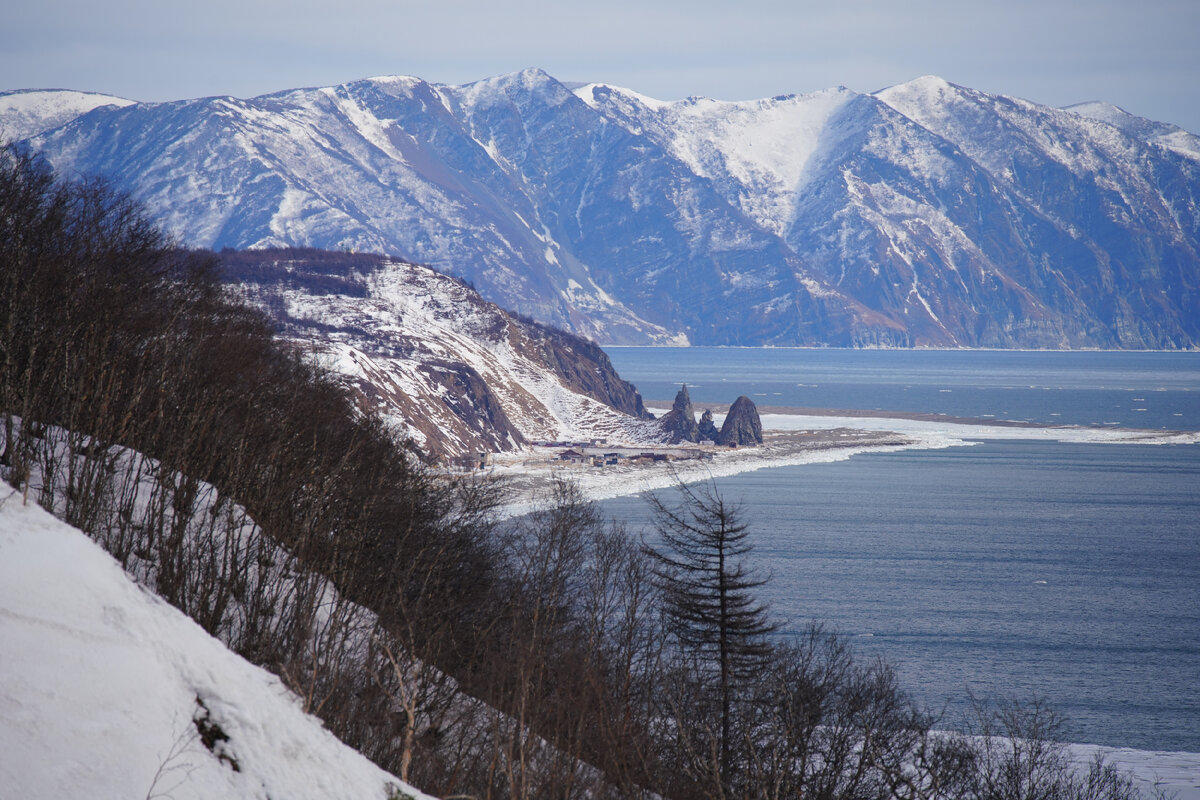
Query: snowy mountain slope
point(796, 165)
point(668, 242)
point(1164, 134)
point(377, 165)
point(28, 113)
point(458, 374)
point(916, 215)
point(758, 151)
point(107, 691)
point(1108, 228)
point(925, 214)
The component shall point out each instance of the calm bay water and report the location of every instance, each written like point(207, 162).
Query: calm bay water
point(1145, 390)
point(1060, 570)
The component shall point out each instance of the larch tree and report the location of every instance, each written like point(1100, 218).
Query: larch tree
point(711, 611)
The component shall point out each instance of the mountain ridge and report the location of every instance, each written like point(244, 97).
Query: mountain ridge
point(926, 214)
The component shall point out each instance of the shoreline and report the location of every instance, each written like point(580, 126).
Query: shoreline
point(1175, 771)
point(857, 413)
point(831, 435)
point(780, 448)
point(795, 436)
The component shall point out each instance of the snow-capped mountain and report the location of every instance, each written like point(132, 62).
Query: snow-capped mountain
point(456, 373)
point(1163, 134)
point(973, 219)
point(30, 112)
point(927, 214)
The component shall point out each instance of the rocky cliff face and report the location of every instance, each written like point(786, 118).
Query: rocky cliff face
point(927, 214)
point(456, 373)
point(742, 425)
point(679, 424)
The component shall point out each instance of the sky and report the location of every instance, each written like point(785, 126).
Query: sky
point(1139, 55)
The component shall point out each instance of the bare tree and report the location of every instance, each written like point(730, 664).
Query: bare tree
point(1017, 753)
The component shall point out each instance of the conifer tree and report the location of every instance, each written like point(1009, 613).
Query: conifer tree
point(710, 607)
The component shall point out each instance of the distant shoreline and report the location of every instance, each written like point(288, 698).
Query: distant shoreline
point(779, 448)
point(918, 416)
point(796, 436)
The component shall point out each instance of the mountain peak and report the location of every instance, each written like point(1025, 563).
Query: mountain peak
point(532, 81)
point(389, 81)
point(528, 78)
point(25, 113)
point(929, 81)
point(1162, 134)
point(1098, 109)
point(591, 93)
point(928, 86)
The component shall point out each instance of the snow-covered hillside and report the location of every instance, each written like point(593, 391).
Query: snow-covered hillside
point(107, 691)
point(1165, 134)
point(926, 214)
point(29, 113)
point(456, 373)
point(760, 150)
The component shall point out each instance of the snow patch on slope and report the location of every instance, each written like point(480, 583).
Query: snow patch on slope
point(101, 681)
point(763, 146)
point(1163, 134)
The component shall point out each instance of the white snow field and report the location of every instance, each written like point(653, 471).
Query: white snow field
point(101, 683)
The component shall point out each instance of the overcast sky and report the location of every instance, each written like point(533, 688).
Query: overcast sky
point(1139, 54)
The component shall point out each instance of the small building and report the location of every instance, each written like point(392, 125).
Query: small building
point(472, 461)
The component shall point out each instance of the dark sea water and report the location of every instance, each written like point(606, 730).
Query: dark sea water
point(1065, 571)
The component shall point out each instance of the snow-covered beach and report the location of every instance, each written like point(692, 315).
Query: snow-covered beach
point(812, 436)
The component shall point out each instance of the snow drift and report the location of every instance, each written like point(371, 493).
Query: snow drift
point(107, 691)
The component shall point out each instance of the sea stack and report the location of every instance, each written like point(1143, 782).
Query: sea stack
point(742, 425)
point(680, 421)
point(708, 430)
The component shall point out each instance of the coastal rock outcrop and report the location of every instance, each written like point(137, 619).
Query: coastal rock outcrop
point(708, 429)
point(742, 425)
point(680, 421)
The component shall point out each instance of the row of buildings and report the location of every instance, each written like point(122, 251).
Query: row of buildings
point(588, 456)
point(594, 453)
